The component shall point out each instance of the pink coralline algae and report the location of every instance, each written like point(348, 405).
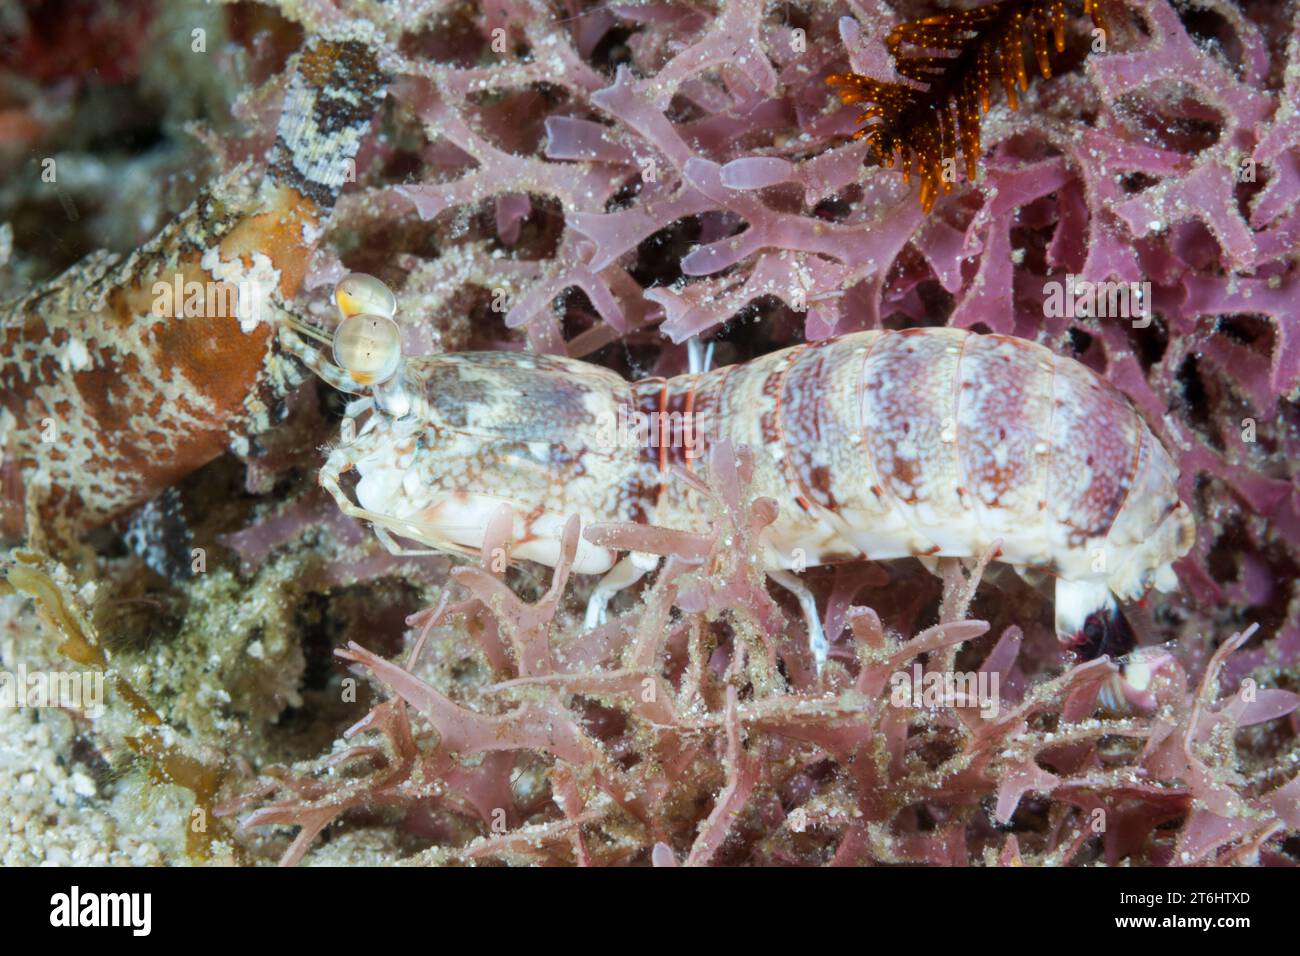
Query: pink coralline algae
point(663, 744)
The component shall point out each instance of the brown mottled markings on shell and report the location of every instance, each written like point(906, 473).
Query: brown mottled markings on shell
point(500, 385)
point(772, 386)
point(807, 420)
point(327, 106)
point(453, 394)
point(1109, 423)
point(1130, 481)
point(1000, 421)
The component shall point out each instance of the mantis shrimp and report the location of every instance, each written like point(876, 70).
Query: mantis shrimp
point(931, 442)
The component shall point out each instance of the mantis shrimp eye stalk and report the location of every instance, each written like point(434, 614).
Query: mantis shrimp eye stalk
point(361, 294)
point(368, 347)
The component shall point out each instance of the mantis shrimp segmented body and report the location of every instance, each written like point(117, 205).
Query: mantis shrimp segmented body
point(930, 442)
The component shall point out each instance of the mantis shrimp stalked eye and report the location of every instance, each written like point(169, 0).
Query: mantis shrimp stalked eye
point(368, 347)
point(365, 347)
point(360, 294)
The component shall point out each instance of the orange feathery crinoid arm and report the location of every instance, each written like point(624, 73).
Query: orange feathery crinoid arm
point(947, 63)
